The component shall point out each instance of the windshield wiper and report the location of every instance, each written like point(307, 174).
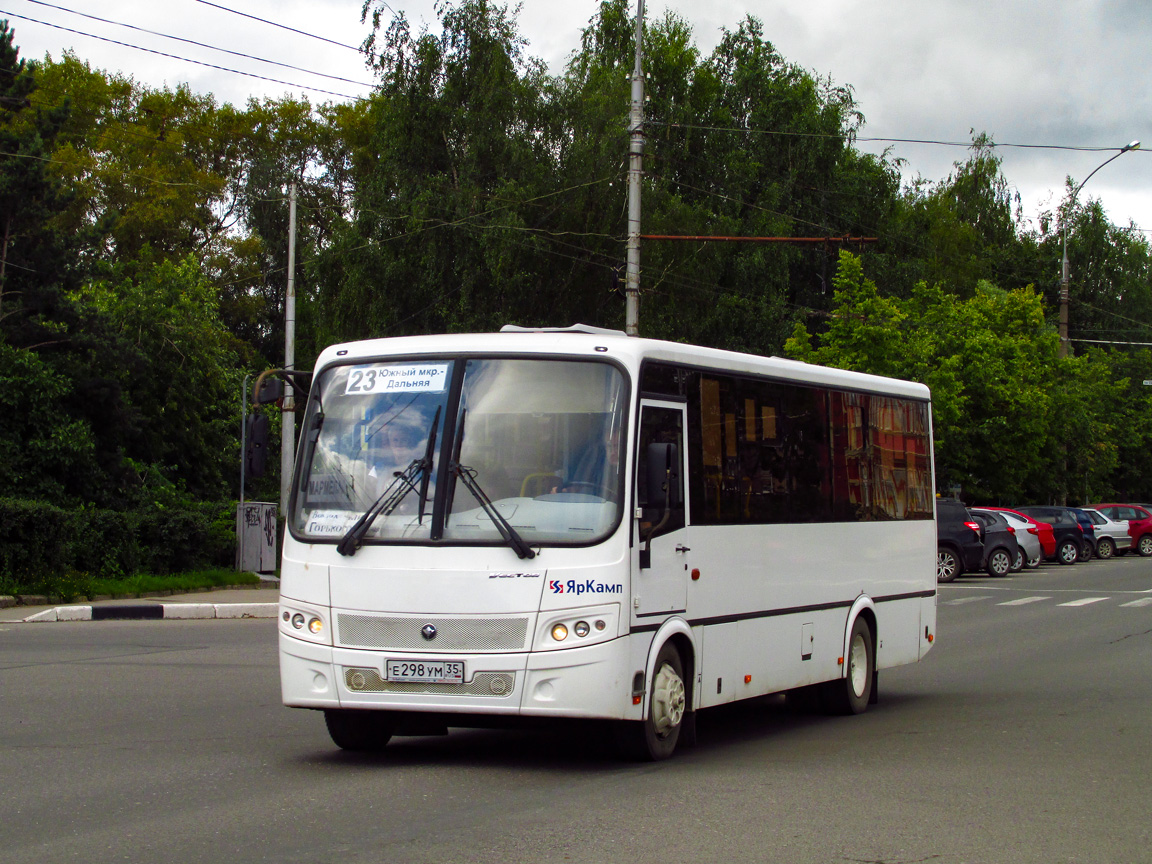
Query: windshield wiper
point(468, 478)
point(397, 490)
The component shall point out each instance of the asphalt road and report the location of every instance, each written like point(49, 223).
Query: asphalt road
point(1024, 737)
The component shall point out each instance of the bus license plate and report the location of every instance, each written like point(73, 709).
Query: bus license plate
point(425, 672)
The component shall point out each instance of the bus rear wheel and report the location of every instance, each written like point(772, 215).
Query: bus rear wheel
point(360, 731)
point(655, 737)
point(852, 693)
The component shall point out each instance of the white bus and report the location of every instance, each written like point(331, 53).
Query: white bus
point(573, 523)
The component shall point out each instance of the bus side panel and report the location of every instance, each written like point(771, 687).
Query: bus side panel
point(773, 600)
point(927, 624)
point(719, 661)
point(900, 634)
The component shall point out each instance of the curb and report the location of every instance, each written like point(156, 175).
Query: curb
point(155, 611)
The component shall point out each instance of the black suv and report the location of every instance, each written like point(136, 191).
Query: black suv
point(1065, 527)
point(959, 546)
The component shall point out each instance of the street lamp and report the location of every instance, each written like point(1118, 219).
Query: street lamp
point(1064, 278)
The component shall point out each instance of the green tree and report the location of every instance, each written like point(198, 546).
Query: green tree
point(179, 373)
point(1012, 422)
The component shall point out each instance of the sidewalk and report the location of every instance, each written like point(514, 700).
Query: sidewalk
point(244, 602)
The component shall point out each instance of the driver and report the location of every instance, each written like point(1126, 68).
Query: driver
point(597, 470)
point(398, 445)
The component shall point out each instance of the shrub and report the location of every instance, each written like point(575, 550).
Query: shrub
point(46, 549)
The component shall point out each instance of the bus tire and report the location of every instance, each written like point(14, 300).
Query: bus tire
point(852, 693)
point(359, 731)
point(655, 737)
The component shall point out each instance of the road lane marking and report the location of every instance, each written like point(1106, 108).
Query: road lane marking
point(1143, 601)
point(1084, 601)
point(962, 600)
point(1023, 601)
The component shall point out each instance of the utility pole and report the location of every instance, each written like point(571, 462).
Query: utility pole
point(288, 416)
point(635, 154)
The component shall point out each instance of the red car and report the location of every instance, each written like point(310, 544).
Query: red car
point(1041, 529)
point(1139, 524)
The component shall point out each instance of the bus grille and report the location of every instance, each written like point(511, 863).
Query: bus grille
point(482, 684)
point(453, 634)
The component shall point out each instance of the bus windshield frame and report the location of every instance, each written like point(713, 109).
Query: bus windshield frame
point(463, 450)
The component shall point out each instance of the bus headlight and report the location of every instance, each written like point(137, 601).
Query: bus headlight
point(311, 625)
point(576, 628)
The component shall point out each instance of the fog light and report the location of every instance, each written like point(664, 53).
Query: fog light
point(581, 629)
point(600, 625)
point(559, 632)
point(315, 626)
point(297, 620)
point(288, 615)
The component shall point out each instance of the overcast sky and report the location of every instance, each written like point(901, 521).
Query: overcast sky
point(1064, 74)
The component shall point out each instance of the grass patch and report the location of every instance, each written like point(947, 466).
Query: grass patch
point(147, 583)
point(71, 587)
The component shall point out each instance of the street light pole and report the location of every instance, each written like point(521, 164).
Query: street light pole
point(1065, 279)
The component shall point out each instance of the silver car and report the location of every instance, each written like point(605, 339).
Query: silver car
point(1112, 535)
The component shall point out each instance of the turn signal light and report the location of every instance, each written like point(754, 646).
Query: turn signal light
point(559, 632)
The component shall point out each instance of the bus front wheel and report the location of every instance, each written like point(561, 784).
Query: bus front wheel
point(362, 731)
point(655, 737)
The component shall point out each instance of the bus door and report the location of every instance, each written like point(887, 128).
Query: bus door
point(660, 549)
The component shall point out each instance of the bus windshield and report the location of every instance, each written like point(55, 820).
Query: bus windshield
point(532, 454)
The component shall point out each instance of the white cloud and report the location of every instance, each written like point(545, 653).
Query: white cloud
point(1068, 72)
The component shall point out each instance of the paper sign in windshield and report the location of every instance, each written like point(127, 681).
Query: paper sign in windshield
point(410, 378)
point(330, 523)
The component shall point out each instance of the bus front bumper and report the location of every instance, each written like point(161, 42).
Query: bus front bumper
point(593, 681)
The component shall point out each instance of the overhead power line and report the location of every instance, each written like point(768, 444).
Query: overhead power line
point(199, 44)
point(851, 137)
point(178, 57)
point(281, 26)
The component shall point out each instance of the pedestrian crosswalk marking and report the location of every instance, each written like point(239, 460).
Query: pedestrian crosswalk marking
point(1143, 601)
point(1084, 601)
point(1023, 601)
point(960, 601)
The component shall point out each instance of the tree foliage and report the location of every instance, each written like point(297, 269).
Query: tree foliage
point(144, 235)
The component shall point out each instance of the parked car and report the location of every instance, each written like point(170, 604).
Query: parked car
point(959, 546)
point(1065, 526)
point(1041, 530)
point(1088, 545)
point(1139, 523)
point(1027, 536)
point(1001, 551)
point(1112, 537)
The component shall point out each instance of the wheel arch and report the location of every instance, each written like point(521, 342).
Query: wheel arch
point(676, 631)
point(863, 607)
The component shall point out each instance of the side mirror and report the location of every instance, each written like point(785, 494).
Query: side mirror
point(663, 474)
point(271, 390)
point(255, 444)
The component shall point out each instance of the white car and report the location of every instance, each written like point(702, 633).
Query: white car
point(1112, 535)
point(1031, 554)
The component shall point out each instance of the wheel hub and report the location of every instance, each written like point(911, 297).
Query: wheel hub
point(667, 700)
